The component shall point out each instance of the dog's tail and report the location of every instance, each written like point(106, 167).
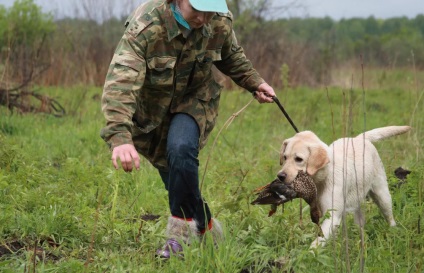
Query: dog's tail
point(384, 132)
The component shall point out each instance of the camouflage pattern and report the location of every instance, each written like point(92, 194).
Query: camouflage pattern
point(156, 72)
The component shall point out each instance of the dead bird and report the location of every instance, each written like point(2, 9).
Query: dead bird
point(277, 193)
point(274, 194)
point(401, 173)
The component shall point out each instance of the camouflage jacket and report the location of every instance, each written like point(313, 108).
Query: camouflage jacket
point(156, 72)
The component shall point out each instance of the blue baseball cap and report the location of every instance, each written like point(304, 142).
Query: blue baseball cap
point(210, 5)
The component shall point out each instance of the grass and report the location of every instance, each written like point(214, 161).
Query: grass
point(67, 210)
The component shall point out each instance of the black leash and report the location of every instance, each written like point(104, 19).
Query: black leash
point(285, 113)
point(275, 99)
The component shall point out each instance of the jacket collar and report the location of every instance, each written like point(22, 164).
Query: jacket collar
point(173, 29)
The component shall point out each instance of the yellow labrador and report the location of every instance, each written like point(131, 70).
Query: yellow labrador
point(345, 173)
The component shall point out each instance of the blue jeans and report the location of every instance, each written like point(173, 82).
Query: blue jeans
point(182, 179)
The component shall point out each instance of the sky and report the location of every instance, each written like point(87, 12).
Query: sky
point(338, 9)
point(335, 9)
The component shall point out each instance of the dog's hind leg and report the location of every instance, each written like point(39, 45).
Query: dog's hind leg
point(381, 196)
point(359, 217)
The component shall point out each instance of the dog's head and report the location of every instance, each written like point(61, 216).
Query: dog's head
point(306, 152)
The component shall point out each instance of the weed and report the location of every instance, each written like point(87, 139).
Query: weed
point(57, 184)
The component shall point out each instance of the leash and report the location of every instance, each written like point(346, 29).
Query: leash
point(230, 120)
point(275, 99)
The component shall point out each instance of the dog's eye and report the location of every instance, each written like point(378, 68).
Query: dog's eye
point(284, 157)
point(298, 159)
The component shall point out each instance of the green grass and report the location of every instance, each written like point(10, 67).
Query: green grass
point(59, 191)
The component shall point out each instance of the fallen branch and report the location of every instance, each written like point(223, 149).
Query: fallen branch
point(30, 102)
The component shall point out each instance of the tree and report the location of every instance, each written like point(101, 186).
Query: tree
point(23, 32)
point(24, 29)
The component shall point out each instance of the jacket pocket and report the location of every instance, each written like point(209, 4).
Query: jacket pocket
point(205, 59)
point(160, 71)
point(124, 73)
point(202, 68)
point(129, 61)
point(209, 90)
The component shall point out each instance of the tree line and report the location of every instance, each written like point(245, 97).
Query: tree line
point(35, 46)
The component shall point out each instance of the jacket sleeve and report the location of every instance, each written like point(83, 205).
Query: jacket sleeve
point(235, 64)
point(124, 79)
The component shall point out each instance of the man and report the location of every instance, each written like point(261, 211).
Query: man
point(160, 100)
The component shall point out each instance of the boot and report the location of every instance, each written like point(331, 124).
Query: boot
point(215, 229)
point(178, 231)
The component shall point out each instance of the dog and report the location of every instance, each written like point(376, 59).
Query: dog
point(344, 173)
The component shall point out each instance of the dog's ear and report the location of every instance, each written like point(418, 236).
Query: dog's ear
point(282, 150)
point(318, 158)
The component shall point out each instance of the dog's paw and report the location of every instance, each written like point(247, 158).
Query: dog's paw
point(318, 242)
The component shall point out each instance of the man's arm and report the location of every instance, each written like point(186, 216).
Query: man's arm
point(124, 79)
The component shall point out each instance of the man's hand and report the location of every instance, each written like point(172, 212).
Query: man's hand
point(128, 156)
point(264, 93)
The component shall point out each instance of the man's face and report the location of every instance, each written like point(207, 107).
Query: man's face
point(195, 18)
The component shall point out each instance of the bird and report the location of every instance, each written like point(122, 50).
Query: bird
point(278, 192)
point(274, 194)
point(401, 173)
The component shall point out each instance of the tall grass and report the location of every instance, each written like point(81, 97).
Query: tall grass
point(59, 191)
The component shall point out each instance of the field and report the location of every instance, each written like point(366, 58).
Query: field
point(63, 208)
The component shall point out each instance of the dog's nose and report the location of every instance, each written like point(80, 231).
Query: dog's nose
point(282, 176)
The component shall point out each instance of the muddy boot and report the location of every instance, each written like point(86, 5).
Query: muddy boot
point(178, 231)
point(215, 230)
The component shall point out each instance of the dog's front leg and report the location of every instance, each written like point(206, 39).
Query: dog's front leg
point(328, 227)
